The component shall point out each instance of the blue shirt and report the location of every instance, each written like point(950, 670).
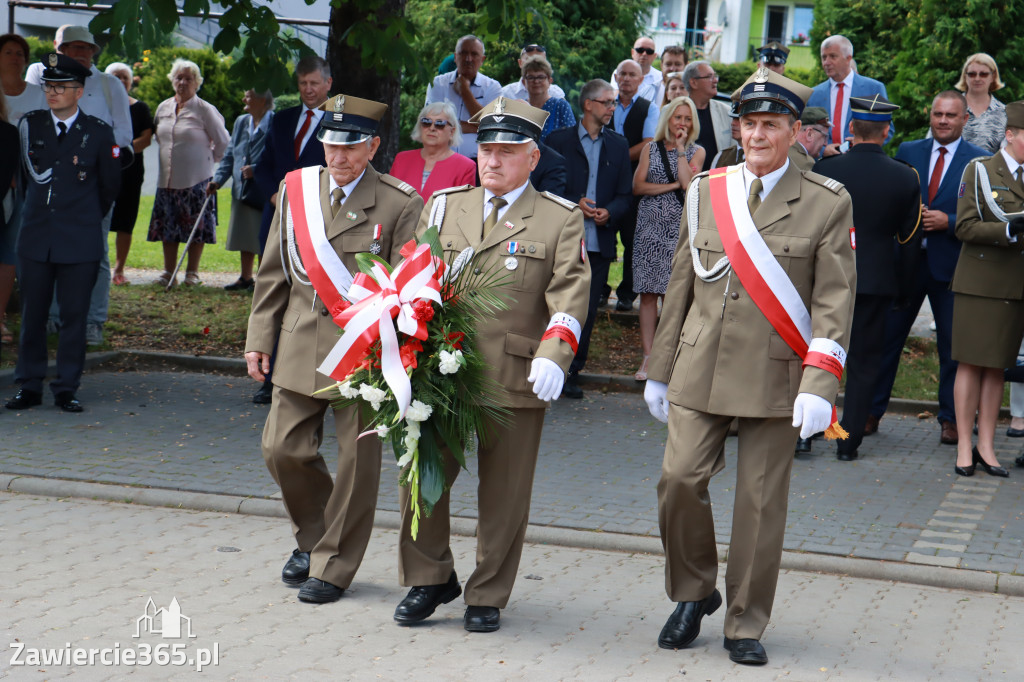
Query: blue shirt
point(592, 150)
point(619, 118)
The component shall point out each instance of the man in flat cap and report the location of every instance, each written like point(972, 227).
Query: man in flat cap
point(814, 131)
point(537, 240)
point(74, 171)
point(774, 56)
point(886, 210)
point(323, 218)
point(755, 325)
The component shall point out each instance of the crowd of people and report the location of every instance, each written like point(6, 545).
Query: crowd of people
point(769, 294)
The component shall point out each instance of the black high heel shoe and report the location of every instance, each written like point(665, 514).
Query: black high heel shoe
point(989, 469)
point(964, 471)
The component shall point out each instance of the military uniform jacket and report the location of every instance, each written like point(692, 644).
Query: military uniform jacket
point(550, 277)
point(728, 157)
point(989, 265)
point(799, 156)
point(63, 215)
point(714, 348)
point(288, 313)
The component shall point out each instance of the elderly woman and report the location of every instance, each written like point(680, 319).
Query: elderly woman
point(674, 87)
point(537, 76)
point(248, 139)
point(192, 138)
point(126, 208)
point(661, 181)
point(436, 166)
point(986, 116)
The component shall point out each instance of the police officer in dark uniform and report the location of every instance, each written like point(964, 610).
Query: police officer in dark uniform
point(886, 210)
point(74, 173)
point(774, 56)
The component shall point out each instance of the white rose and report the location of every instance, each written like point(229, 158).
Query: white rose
point(418, 412)
point(450, 362)
point(372, 395)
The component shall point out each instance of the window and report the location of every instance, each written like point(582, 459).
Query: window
point(803, 17)
point(776, 24)
point(669, 12)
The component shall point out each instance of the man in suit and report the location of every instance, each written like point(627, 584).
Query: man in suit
point(290, 144)
point(886, 211)
point(940, 162)
point(360, 211)
point(74, 169)
point(601, 183)
point(701, 83)
point(738, 344)
point(834, 93)
point(635, 118)
point(549, 175)
point(537, 239)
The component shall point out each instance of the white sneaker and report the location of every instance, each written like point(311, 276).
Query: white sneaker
point(93, 334)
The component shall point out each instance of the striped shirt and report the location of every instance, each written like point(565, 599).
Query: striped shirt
point(988, 130)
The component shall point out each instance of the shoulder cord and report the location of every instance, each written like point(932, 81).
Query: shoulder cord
point(437, 211)
point(293, 266)
point(39, 178)
point(722, 266)
point(981, 176)
point(919, 210)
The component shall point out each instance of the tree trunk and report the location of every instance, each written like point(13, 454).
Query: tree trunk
point(352, 77)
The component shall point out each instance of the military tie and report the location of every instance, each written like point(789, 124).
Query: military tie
point(337, 196)
point(63, 131)
point(754, 198)
point(1020, 178)
point(492, 217)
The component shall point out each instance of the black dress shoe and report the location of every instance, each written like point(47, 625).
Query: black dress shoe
point(746, 651)
point(422, 600)
point(67, 401)
point(316, 591)
point(482, 619)
point(1020, 460)
point(803, 445)
point(846, 456)
point(296, 569)
point(264, 394)
point(683, 626)
point(989, 469)
point(1014, 433)
point(623, 306)
point(241, 285)
point(571, 389)
point(602, 300)
point(24, 399)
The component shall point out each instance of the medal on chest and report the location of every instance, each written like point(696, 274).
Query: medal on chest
point(375, 246)
point(511, 263)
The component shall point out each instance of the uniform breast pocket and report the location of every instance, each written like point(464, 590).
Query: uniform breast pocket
point(528, 267)
point(357, 243)
point(709, 247)
point(791, 252)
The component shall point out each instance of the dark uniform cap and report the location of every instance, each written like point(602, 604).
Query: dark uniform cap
point(767, 92)
point(349, 120)
point(511, 121)
point(61, 69)
point(874, 108)
point(1015, 114)
point(773, 53)
point(815, 116)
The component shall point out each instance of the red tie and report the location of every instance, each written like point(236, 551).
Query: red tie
point(837, 120)
point(933, 183)
point(302, 133)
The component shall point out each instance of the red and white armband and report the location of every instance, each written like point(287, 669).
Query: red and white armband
point(565, 327)
point(826, 354)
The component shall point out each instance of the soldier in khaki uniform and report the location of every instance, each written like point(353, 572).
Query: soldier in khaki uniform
point(718, 356)
point(814, 127)
point(537, 239)
point(362, 211)
point(734, 154)
point(988, 291)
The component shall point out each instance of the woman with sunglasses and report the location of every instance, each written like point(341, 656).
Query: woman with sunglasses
point(986, 119)
point(436, 165)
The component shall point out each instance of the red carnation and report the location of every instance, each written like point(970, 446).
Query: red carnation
point(408, 352)
point(423, 310)
point(455, 338)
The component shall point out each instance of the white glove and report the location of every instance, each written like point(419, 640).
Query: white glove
point(656, 397)
point(812, 414)
point(547, 379)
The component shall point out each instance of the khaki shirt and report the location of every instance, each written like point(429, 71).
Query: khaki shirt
point(289, 314)
point(714, 348)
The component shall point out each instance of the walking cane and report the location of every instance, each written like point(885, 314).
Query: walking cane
point(191, 236)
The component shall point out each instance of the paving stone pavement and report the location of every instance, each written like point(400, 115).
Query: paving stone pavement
point(78, 574)
point(598, 469)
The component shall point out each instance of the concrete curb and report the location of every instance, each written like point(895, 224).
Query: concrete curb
point(932, 576)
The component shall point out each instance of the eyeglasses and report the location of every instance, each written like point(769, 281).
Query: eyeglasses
point(58, 89)
point(979, 74)
point(606, 103)
point(534, 48)
point(439, 124)
point(644, 50)
point(710, 75)
point(537, 77)
point(812, 129)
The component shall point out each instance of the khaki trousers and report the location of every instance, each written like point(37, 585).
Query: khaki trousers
point(694, 454)
point(330, 519)
point(506, 465)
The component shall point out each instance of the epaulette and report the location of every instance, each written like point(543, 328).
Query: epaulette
point(826, 182)
point(37, 112)
point(561, 200)
point(401, 185)
point(450, 190)
point(100, 121)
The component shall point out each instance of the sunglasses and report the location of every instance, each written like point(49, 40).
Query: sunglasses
point(438, 124)
point(644, 50)
point(979, 74)
point(534, 48)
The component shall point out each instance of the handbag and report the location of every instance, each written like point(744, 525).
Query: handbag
point(668, 171)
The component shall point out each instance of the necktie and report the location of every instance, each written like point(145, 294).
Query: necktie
point(933, 183)
point(492, 217)
point(837, 119)
point(337, 195)
point(1020, 178)
point(63, 131)
point(754, 198)
point(302, 134)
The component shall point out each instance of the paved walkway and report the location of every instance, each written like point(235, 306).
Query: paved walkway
point(79, 574)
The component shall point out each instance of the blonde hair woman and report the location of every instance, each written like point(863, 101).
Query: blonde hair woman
point(660, 180)
point(986, 117)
